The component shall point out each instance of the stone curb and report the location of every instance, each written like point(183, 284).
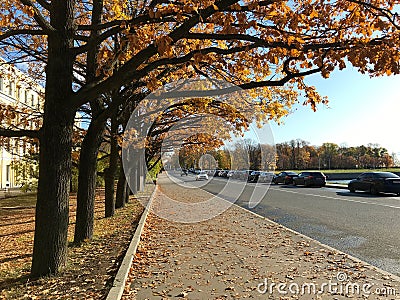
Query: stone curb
point(118, 287)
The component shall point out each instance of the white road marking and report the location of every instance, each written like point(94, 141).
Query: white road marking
point(336, 198)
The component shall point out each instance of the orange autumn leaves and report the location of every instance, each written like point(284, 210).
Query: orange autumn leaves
point(278, 43)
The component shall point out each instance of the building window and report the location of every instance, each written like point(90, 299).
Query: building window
point(33, 100)
point(11, 89)
point(8, 173)
point(26, 96)
point(1, 83)
point(18, 91)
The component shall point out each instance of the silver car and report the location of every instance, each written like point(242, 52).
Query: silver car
point(202, 175)
point(266, 177)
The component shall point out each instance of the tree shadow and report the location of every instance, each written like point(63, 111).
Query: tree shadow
point(13, 282)
point(18, 223)
point(286, 186)
point(7, 259)
point(16, 233)
point(364, 194)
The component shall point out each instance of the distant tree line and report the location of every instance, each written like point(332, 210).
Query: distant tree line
point(294, 155)
point(299, 154)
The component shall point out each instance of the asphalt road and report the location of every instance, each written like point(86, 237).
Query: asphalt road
point(365, 226)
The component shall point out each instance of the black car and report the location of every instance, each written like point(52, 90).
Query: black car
point(310, 179)
point(223, 173)
point(284, 177)
point(376, 182)
point(253, 177)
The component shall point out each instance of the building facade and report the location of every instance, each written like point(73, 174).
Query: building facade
point(21, 100)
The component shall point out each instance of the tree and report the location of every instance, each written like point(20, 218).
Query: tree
point(329, 150)
point(223, 158)
point(265, 45)
point(110, 174)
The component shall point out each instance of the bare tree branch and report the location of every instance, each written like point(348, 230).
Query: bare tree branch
point(43, 3)
point(14, 32)
point(20, 133)
point(39, 18)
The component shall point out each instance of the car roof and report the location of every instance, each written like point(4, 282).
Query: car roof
point(312, 172)
point(382, 173)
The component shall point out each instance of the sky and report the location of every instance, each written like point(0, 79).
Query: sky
point(361, 110)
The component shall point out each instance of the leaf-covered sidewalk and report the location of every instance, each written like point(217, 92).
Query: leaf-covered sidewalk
point(239, 255)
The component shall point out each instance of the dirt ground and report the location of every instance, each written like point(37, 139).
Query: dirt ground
point(90, 268)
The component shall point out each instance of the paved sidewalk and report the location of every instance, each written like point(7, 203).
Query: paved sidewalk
point(239, 255)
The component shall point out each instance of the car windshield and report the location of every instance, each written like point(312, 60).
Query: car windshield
point(291, 173)
point(386, 175)
point(316, 174)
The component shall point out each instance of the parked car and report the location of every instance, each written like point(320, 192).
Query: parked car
point(201, 175)
point(266, 177)
point(184, 172)
point(238, 174)
point(260, 176)
point(216, 173)
point(235, 174)
point(254, 176)
point(230, 174)
point(223, 173)
point(376, 182)
point(244, 175)
point(284, 177)
point(310, 179)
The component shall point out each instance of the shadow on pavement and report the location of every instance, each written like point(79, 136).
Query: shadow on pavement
point(364, 195)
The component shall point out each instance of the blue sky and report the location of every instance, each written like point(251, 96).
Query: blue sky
point(361, 110)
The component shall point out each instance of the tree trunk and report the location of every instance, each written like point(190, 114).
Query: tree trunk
point(52, 211)
point(111, 171)
point(121, 189)
point(127, 193)
point(87, 182)
point(90, 146)
point(52, 207)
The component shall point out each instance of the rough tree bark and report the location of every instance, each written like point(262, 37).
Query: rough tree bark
point(111, 171)
point(87, 182)
point(121, 189)
point(52, 213)
point(90, 146)
point(127, 193)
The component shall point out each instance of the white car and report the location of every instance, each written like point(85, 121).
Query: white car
point(202, 175)
point(266, 177)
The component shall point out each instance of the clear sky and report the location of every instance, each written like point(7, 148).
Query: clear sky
point(361, 110)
